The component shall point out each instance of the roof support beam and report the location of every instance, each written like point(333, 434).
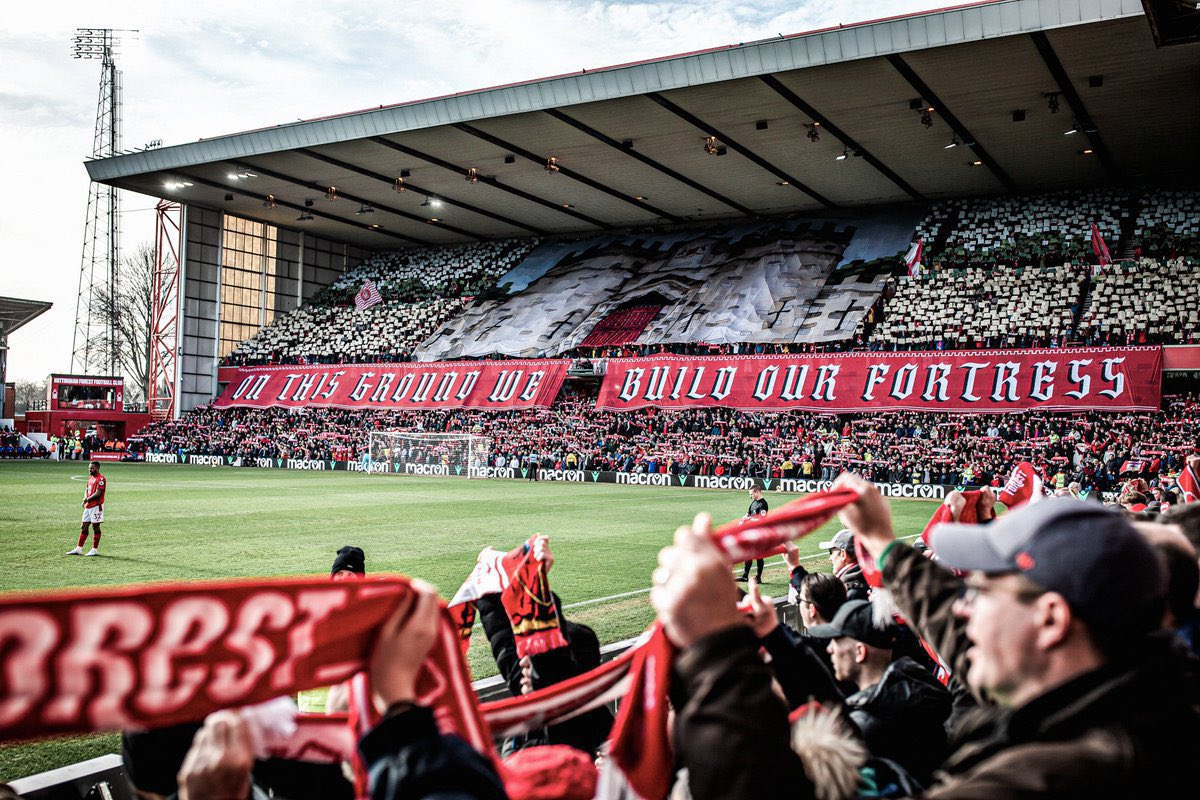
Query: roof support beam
point(316, 187)
point(1046, 51)
point(295, 207)
point(960, 130)
point(650, 162)
point(490, 180)
point(687, 116)
point(793, 98)
point(336, 162)
point(567, 171)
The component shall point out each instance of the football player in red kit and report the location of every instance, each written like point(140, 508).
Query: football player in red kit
point(93, 511)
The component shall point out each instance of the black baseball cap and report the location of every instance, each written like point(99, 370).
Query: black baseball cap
point(350, 558)
point(1107, 571)
point(855, 621)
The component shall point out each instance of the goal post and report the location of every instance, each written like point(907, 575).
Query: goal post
point(457, 455)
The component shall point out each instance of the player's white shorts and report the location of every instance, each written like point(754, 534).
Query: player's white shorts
point(95, 514)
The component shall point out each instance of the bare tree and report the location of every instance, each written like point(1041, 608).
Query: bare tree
point(28, 393)
point(131, 312)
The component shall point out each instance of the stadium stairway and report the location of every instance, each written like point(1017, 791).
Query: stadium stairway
point(1129, 216)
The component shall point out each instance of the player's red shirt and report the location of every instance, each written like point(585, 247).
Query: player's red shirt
point(95, 484)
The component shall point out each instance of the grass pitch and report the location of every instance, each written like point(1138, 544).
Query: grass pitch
point(199, 523)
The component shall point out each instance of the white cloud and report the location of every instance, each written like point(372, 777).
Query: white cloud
point(200, 70)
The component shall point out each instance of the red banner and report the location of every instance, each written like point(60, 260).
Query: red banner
point(435, 384)
point(972, 381)
point(142, 656)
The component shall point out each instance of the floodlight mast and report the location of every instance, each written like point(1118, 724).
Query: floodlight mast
point(96, 346)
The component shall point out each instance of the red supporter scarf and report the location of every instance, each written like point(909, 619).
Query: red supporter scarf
point(1024, 485)
point(530, 608)
point(146, 656)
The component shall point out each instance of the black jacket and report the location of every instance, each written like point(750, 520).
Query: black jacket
point(406, 757)
point(902, 717)
point(582, 653)
point(855, 583)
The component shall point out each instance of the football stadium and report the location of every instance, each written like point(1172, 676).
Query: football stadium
point(811, 417)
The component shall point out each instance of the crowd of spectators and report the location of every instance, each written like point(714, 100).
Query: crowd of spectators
point(420, 290)
point(12, 446)
point(1096, 450)
point(1145, 302)
point(1000, 307)
point(1032, 230)
point(1168, 224)
point(1050, 653)
point(1006, 272)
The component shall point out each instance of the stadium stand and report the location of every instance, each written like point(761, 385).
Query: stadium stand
point(1001, 306)
point(1042, 229)
point(1147, 302)
point(1095, 450)
point(1168, 223)
point(420, 289)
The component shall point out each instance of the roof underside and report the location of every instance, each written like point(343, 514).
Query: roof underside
point(630, 140)
point(15, 312)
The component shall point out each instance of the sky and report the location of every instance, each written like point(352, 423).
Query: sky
point(196, 70)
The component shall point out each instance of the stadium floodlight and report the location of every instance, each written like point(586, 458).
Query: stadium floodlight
point(455, 455)
point(1074, 129)
point(842, 156)
point(953, 144)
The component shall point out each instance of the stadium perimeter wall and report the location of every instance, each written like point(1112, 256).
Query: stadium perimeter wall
point(923, 491)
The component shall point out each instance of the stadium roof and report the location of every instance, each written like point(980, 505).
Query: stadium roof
point(630, 139)
point(15, 312)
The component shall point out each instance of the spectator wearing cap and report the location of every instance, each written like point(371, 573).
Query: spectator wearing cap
point(1081, 692)
point(349, 565)
point(845, 564)
point(1083, 695)
point(801, 662)
point(899, 709)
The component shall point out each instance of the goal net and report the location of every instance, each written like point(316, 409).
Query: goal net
point(457, 455)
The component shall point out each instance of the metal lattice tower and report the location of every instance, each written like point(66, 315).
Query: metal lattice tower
point(95, 346)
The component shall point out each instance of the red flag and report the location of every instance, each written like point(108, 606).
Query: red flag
point(912, 259)
point(367, 296)
point(1189, 485)
point(1099, 247)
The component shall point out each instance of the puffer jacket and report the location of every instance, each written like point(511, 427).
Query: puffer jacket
point(902, 717)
